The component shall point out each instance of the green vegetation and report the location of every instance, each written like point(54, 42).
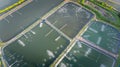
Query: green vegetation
point(102, 4)
point(0, 62)
point(82, 1)
point(101, 17)
point(109, 9)
point(1, 44)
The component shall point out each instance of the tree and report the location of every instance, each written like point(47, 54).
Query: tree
point(119, 14)
point(82, 1)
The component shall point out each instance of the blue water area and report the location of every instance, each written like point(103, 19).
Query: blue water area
point(72, 17)
point(22, 18)
point(37, 48)
point(103, 35)
point(82, 55)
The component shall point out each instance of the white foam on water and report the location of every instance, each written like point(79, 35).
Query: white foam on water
point(45, 60)
point(113, 50)
point(102, 65)
point(41, 25)
point(21, 43)
point(32, 32)
point(88, 15)
point(62, 65)
point(9, 59)
point(78, 9)
point(49, 33)
point(78, 51)
point(71, 54)
point(26, 36)
point(50, 57)
point(55, 52)
point(62, 10)
point(99, 40)
point(58, 48)
point(88, 52)
point(68, 57)
point(74, 51)
point(43, 64)
point(79, 44)
point(116, 38)
point(74, 60)
point(103, 28)
point(18, 56)
point(61, 46)
point(57, 38)
point(18, 65)
point(22, 57)
point(95, 31)
point(86, 36)
point(50, 53)
point(13, 57)
point(55, 22)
